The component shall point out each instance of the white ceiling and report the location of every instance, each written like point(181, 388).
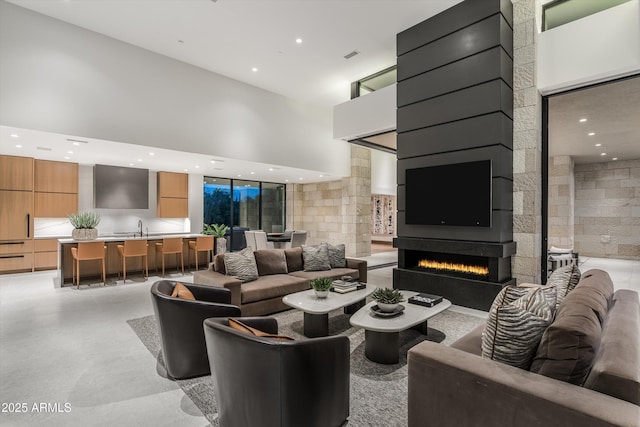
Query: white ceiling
point(230, 37)
point(613, 116)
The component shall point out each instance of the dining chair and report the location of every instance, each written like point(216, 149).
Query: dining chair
point(87, 251)
point(170, 245)
point(261, 240)
point(132, 248)
point(250, 237)
point(201, 244)
point(298, 238)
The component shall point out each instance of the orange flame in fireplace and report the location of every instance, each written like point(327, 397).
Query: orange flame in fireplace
point(450, 266)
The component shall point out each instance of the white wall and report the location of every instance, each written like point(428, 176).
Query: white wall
point(383, 173)
point(596, 48)
point(366, 115)
point(61, 78)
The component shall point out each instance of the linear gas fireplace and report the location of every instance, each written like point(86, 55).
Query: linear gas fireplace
point(467, 273)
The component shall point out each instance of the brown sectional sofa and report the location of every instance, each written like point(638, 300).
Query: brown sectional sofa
point(264, 296)
point(588, 362)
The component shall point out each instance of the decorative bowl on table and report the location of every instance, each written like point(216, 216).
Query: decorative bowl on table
point(388, 299)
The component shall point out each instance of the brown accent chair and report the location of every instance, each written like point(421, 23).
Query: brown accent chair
point(87, 251)
point(180, 325)
point(260, 381)
point(132, 248)
point(201, 244)
point(170, 245)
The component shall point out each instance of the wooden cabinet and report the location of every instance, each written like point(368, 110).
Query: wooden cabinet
point(45, 254)
point(16, 215)
point(56, 189)
point(173, 195)
point(16, 256)
point(16, 173)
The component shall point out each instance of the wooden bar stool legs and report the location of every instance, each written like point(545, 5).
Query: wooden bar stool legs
point(132, 248)
point(170, 245)
point(201, 244)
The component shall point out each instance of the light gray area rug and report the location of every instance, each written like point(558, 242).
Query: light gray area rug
point(378, 392)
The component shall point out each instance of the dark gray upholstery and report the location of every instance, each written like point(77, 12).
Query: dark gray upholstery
point(263, 382)
point(180, 325)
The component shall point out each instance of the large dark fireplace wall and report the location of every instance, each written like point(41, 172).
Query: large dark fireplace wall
point(455, 105)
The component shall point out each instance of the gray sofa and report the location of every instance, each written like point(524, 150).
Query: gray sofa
point(264, 296)
point(589, 355)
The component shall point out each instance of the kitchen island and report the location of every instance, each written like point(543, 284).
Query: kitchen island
point(91, 269)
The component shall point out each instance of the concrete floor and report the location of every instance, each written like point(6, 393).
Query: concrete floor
point(65, 346)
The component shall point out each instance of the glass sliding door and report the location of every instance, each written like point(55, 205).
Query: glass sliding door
point(217, 201)
point(273, 215)
point(246, 204)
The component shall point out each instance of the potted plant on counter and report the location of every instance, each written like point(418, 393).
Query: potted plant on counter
point(321, 286)
point(387, 299)
point(84, 224)
point(219, 231)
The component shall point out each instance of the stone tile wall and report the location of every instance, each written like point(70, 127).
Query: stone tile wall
point(527, 145)
point(561, 202)
point(336, 211)
point(607, 209)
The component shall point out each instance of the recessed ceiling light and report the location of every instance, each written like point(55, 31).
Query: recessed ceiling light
point(591, 133)
point(239, 175)
point(582, 120)
point(69, 152)
point(14, 135)
point(197, 167)
point(76, 143)
point(18, 146)
point(603, 154)
point(66, 157)
point(254, 69)
point(152, 154)
point(299, 41)
point(301, 178)
point(139, 160)
point(286, 180)
point(186, 170)
point(253, 173)
point(270, 169)
point(130, 164)
point(598, 145)
point(615, 158)
point(321, 176)
point(213, 161)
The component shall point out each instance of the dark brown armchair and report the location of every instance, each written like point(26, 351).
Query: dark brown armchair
point(180, 325)
point(264, 382)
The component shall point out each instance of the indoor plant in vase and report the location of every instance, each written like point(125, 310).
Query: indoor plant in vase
point(219, 231)
point(84, 225)
point(387, 299)
point(321, 286)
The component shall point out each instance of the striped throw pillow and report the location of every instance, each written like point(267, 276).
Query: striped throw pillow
point(513, 330)
point(241, 265)
point(564, 279)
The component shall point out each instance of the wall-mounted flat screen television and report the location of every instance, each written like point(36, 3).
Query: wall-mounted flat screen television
point(117, 187)
point(455, 194)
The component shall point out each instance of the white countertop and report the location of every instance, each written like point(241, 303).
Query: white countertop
point(121, 238)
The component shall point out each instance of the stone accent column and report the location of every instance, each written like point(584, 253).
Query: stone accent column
point(356, 204)
point(527, 145)
point(561, 202)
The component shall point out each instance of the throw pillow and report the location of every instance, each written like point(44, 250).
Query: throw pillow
point(243, 327)
point(181, 291)
point(294, 259)
point(564, 279)
point(337, 257)
point(241, 265)
point(271, 261)
point(316, 258)
point(514, 329)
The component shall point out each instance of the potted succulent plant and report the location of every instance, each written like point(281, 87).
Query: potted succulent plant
point(321, 286)
point(387, 298)
point(84, 224)
point(219, 231)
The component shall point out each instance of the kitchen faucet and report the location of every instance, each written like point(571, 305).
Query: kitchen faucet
point(140, 227)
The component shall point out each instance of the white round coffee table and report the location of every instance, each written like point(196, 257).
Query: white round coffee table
point(382, 334)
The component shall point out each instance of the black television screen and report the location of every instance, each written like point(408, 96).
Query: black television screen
point(117, 187)
point(455, 194)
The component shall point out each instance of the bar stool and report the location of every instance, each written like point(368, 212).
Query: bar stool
point(170, 245)
point(87, 251)
point(132, 248)
point(201, 244)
